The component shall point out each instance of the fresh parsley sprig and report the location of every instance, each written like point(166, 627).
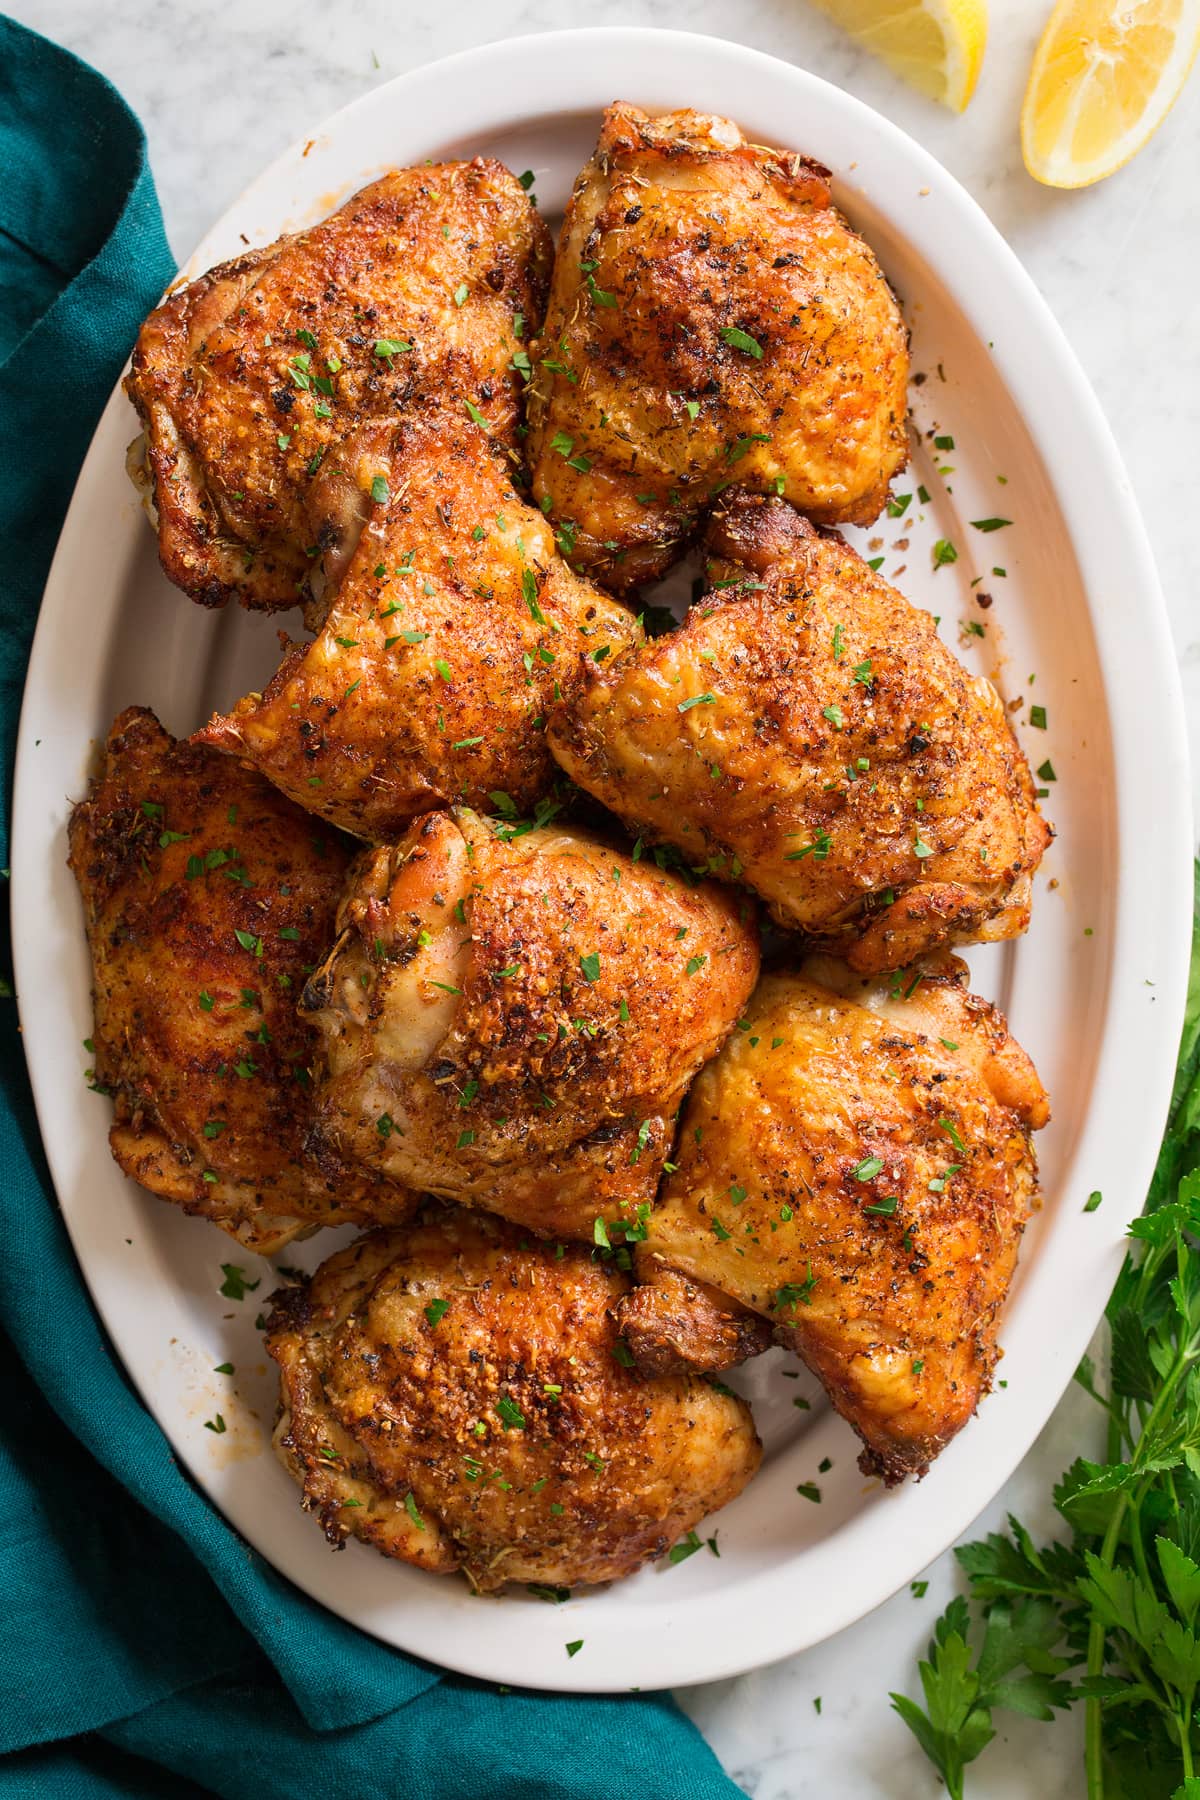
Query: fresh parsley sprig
point(1116, 1603)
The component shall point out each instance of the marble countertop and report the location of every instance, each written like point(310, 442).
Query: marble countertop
point(221, 92)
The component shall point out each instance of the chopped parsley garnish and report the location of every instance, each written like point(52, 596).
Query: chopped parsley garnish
point(379, 490)
point(590, 966)
point(951, 1131)
point(1037, 717)
point(509, 1413)
point(943, 553)
point(697, 700)
point(235, 1286)
point(741, 340)
point(868, 1168)
point(686, 1547)
point(410, 1507)
point(819, 848)
point(990, 524)
point(436, 1310)
point(741, 445)
point(795, 1293)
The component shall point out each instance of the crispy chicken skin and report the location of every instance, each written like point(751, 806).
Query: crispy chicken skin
point(207, 896)
point(857, 1169)
point(711, 314)
point(807, 730)
point(262, 385)
point(511, 1016)
point(454, 628)
point(450, 1394)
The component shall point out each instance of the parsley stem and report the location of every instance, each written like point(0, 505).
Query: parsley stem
point(1097, 1633)
point(1184, 1357)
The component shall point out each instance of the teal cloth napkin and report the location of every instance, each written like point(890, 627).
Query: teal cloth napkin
point(145, 1649)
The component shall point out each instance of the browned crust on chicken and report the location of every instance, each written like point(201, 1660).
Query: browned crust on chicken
point(454, 629)
point(807, 731)
point(511, 1016)
point(207, 898)
point(857, 1168)
point(261, 385)
point(711, 315)
point(673, 1322)
point(452, 1394)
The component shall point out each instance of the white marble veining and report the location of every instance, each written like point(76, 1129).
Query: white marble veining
point(221, 91)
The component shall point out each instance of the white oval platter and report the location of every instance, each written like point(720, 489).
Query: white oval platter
point(1075, 626)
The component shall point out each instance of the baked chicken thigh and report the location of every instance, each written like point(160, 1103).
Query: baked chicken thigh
point(857, 1169)
point(455, 628)
point(712, 317)
point(511, 1016)
point(263, 386)
point(807, 731)
point(451, 1394)
point(208, 897)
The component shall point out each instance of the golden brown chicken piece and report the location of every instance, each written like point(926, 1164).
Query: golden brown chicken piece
point(807, 731)
point(856, 1168)
point(511, 1017)
point(712, 318)
point(264, 387)
point(208, 899)
point(455, 628)
point(451, 1394)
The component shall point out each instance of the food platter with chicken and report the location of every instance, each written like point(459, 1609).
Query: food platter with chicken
point(629, 1030)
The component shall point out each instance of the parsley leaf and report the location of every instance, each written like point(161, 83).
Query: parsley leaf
point(1117, 1597)
point(741, 340)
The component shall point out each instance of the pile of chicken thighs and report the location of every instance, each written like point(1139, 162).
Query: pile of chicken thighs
point(455, 931)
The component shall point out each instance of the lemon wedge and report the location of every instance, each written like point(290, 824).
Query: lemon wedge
point(1105, 76)
point(935, 45)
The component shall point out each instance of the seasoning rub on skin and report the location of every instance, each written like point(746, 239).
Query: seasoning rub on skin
point(208, 897)
point(458, 1396)
point(262, 385)
point(454, 631)
point(511, 1016)
point(712, 318)
point(856, 1169)
point(807, 732)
